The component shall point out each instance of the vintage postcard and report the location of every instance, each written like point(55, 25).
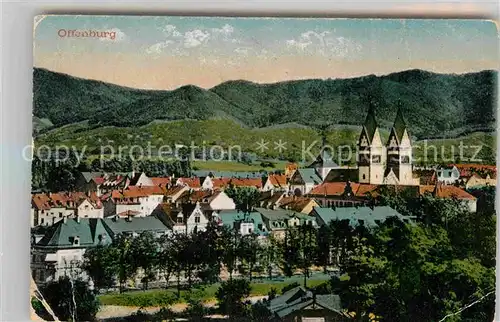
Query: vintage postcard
point(263, 169)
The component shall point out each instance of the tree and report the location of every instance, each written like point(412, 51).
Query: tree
point(228, 240)
point(124, 262)
point(248, 252)
point(231, 296)
point(100, 265)
point(245, 198)
point(299, 250)
point(144, 252)
point(71, 300)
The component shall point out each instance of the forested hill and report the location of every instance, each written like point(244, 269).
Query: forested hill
point(433, 104)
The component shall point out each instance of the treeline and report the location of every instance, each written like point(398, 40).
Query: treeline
point(60, 173)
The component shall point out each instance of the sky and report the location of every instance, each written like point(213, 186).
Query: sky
point(168, 52)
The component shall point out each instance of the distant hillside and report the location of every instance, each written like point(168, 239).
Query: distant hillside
point(433, 104)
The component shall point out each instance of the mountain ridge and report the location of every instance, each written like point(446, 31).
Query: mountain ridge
point(432, 103)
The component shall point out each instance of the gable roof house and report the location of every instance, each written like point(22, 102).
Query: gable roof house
point(60, 251)
point(447, 175)
point(245, 224)
point(299, 304)
point(142, 200)
point(185, 218)
point(134, 226)
point(192, 183)
point(343, 194)
point(447, 191)
point(367, 216)
point(49, 208)
point(275, 182)
point(303, 181)
point(324, 163)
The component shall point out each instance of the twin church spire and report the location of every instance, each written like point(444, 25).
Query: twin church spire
point(388, 163)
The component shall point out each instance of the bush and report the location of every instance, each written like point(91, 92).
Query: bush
point(231, 296)
point(64, 293)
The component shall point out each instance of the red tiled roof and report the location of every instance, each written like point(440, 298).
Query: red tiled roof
point(364, 189)
point(221, 182)
point(247, 182)
point(295, 203)
point(277, 180)
point(47, 201)
point(137, 192)
point(446, 191)
point(191, 182)
point(161, 180)
point(332, 189)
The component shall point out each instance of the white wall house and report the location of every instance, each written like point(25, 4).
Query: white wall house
point(448, 175)
point(195, 219)
point(48, 209)
point(221, 201)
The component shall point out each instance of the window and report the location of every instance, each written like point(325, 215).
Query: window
point(197, 219)
point(60, 215)
point(179, 220)
point(41, 221)
point(364, 176)
point(376, 159)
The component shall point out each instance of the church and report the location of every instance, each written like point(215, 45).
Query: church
point(389, 163)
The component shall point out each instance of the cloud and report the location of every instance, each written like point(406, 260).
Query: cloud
point(119, 35)
point(158, 47)
point(195, 38)
point(171, 31)
point(178, 41)
point(225, 30)
point(323, 43)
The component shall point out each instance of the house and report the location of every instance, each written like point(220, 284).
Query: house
point(138, 199)
point(343, 194)
point(140, 179)
point(185, 218)
point(60, 251)
point(447, 175)
point(161, 181)
point(425, 176)
point(367, 216)
point(299, 304)
point(192, 183)
point(279, 220)
point(215, 200)
point(245, 224)
point(447, 191)
point(270, 199)
point(303, 205)
point(49, 208)
point(478, 180)
point(342, 175)
point(303, 181)
point(324, 163)
point(101, 183)
point(275, 182)
point(134, 226)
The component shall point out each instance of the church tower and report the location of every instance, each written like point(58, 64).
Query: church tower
point(371, 151)
point(399, 151)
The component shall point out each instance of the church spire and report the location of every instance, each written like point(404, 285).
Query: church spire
point(399, 123)
point(370, 124)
